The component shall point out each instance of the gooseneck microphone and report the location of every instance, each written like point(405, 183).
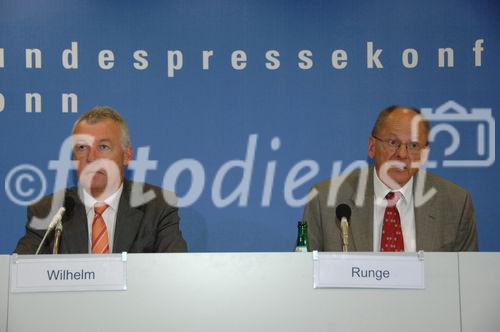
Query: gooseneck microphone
point(56, 223)
point(53, 223)
point(69, 204)
point(343, 213)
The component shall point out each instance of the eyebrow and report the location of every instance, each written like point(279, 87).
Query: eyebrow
point(395, 137)
point(86, 142)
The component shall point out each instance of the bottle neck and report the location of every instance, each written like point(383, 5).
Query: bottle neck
point(302, 235)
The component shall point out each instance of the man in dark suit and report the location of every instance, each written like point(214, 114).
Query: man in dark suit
point(395, 206)
point(105, 212)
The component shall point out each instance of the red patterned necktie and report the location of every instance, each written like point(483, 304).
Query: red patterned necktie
point(392, 234)
point(100, 240)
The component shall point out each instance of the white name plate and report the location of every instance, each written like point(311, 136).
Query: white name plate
point(64, 273)
point(352, 270)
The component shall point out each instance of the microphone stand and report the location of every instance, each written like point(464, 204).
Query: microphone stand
point(344, 225)
point(58, 232)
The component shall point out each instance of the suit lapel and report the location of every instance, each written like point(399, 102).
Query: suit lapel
point(75, 235)
point(425, 220)
point(128, 221)
point(361, 231)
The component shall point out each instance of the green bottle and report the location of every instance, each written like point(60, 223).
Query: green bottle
point(302, 240)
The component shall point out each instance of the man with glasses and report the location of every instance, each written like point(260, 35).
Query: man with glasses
point(394, 205)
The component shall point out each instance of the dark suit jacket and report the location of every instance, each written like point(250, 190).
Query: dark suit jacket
point(446, 222)
point(149, 227)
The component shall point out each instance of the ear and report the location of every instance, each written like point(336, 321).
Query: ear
point(127, 155)
point(371, 147)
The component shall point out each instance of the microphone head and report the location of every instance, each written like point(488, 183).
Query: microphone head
point(343, 210)
point(56, 219)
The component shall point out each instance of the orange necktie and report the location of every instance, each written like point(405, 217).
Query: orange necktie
point(100, 240)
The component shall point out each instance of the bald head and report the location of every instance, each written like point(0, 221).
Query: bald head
point(398, 144)
point(396, 111)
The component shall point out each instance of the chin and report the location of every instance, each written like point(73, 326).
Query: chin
point(98, 186)
point(400, 176)
point(94, 181)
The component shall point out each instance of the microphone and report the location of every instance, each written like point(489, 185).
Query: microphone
point(56, 219)
point(69, 204)
point(343, 212)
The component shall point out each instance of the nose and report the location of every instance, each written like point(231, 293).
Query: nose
point(91, 156)
point(402, 151)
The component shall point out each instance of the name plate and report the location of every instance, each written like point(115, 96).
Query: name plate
point(64, 273)
point(352, 270)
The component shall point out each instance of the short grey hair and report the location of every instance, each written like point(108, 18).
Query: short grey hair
point(100, 113)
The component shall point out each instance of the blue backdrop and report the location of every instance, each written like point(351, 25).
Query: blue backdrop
point(304, 79)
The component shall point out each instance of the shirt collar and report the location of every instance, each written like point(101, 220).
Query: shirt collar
point(381, 189)
point(112, 201)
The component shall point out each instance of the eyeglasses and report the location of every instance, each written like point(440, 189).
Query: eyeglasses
point(393, 145)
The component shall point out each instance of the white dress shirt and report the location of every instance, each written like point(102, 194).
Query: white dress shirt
point(405, 209)
point(109, 214)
